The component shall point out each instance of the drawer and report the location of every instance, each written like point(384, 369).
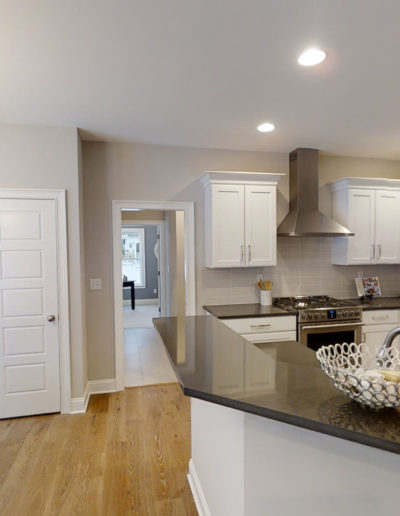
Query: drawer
point(261, 324)
point(273, 336)
point(381, 317)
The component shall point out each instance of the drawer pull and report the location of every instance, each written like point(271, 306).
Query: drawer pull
point(381, 318)
point(259, 325)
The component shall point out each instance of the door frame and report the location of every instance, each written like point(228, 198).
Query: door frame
point(190, 295)
point(59, 196)
point(161, 259)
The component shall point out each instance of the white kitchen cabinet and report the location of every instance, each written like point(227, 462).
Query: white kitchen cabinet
point(228, 359)
point(262, 326)
point(370, 208)
point(377, 324)
point(259, 373)
point(240, 219)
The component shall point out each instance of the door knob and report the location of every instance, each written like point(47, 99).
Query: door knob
point(51, 318)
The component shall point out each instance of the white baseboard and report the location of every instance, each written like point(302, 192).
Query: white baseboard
point(79, 405)
point(102, 386)
point(197, 491)
point(146, 301)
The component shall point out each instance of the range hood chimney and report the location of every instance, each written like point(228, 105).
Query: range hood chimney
point(304, 218)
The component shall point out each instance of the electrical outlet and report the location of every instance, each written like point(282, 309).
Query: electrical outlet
point(259, 277)
point(360, 274)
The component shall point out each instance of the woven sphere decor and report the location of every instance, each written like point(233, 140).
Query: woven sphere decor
point(353, 369)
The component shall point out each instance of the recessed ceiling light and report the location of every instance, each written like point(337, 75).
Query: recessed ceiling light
point(311, 57)
point(266, 127)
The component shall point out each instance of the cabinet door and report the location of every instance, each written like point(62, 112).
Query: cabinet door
point(228, 364)
point(374, 336)
point(387, 234)
point(227, 226)
point(260, 225)
point(260, 374)
point(361, 246)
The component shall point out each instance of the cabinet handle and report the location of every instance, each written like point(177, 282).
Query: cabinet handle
point(249, 246)
point(241, 253)
point(379, 318)
point(379, 251)
point(372, 255)
point(259, 325)
point(363, 336)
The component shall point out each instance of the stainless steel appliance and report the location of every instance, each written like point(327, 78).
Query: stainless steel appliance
point(323, 320)
point(304, 218)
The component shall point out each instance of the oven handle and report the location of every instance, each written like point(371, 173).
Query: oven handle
point(338, 325)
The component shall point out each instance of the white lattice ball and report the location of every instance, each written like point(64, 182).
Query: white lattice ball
point(342, 363)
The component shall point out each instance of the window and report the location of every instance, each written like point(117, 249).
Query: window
point(133, 260)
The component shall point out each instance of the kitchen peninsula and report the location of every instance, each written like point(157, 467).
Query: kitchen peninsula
point(294, 446)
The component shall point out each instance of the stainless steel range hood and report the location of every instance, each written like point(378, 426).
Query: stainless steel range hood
point(304, 218)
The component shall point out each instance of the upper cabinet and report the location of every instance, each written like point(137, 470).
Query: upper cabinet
point(371, 209)
point(240, 219)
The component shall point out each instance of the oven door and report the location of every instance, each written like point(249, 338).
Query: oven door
point(316, 335)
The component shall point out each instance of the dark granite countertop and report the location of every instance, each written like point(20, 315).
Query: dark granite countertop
point(256, 310)
point(217, 365)
point(378, 303)
point(241, 311)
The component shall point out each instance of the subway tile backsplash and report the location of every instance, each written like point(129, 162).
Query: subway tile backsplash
point(304, 268)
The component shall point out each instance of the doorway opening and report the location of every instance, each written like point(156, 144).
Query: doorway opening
point(143, 271)
point(154, 258)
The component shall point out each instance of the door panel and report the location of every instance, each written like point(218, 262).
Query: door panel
point(21, 341)
point(362, 223)
point(387, 216)
point(22, 302)
point(260, 225)
point(24, 225)
point(25, 378)
point(228, 225)
point(21, 264)
point(29, 343)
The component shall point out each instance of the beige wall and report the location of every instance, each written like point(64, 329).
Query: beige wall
point(175, 263)
point(150, 172)
point(48, 157)
point(144, 172)
point(180, 263)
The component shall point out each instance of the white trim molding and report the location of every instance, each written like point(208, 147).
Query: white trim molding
point(79, 405)
point(197, 491)
point(59, 196)
point(189, 252)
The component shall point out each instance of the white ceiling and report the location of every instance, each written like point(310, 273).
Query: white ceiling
point(205, 73)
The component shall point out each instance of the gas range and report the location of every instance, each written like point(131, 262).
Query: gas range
point(317, 309)
point(323, 320)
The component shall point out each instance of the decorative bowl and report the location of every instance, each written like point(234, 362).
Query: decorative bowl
point(348, 366)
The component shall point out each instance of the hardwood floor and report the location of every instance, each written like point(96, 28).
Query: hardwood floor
point(128, 455)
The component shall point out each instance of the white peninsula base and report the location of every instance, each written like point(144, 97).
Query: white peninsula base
point(246, 465)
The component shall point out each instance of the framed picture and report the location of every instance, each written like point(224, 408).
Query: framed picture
point(371, 286)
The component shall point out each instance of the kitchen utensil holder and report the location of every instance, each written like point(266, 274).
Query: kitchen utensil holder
point(265, 297)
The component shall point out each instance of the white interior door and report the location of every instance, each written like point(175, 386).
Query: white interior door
point(387, 235)
point(29, 336)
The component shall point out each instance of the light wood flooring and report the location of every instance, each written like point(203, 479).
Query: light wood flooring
point(128, 455)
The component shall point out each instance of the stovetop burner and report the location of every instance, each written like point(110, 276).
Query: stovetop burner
point(318, 309)
point(310, 302)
